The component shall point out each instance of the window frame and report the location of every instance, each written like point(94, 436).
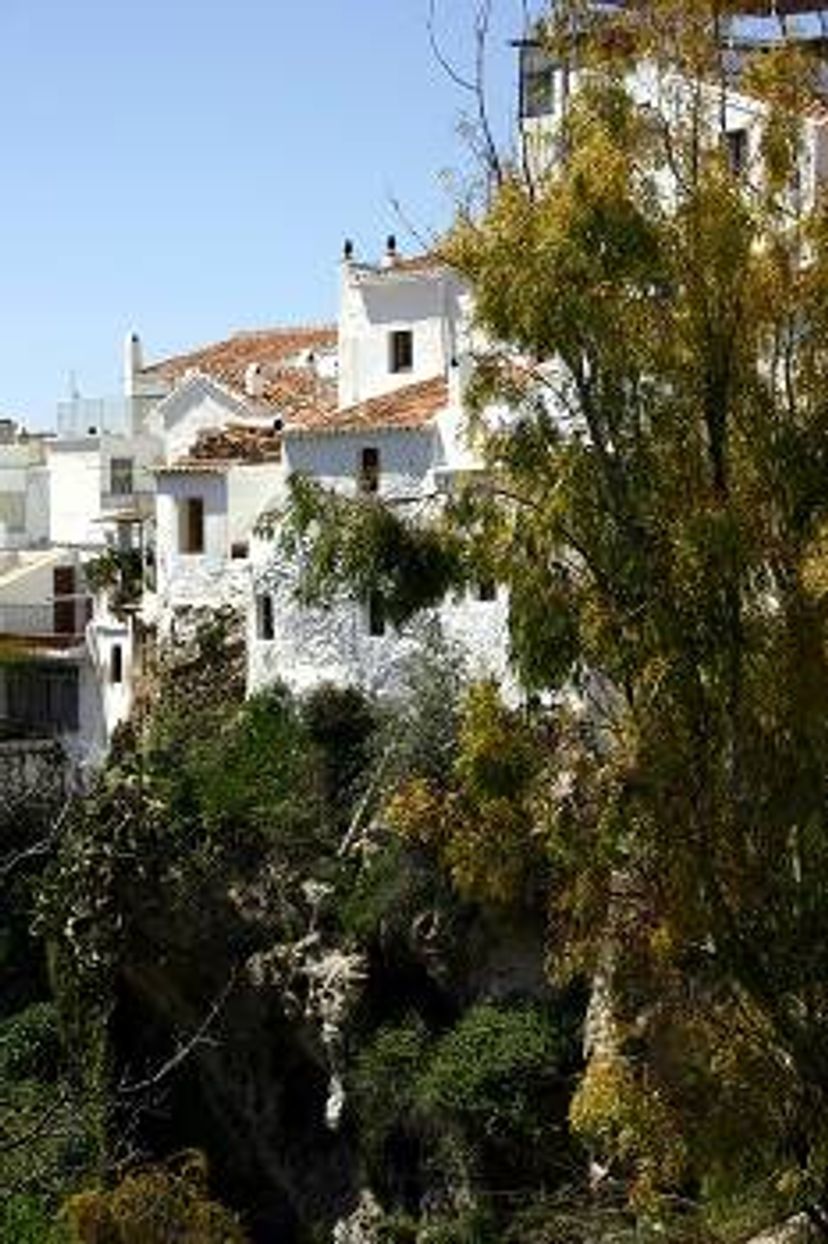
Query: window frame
point(265, 617)
point(376, 620)
point(191, 530)
point(370, 470)
point(121, 470)
point(116, 665)
point(401, 351)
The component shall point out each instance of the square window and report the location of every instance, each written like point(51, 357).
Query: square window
point(239, 550)
point(487, 589)
point(401, 350)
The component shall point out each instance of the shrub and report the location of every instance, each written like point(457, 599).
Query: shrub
point(30, 1044)
point(153, 1205)
point(385, 1079)
point(489, 1073)
point(28, 1220)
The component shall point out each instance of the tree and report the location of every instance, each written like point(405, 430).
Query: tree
point(659, 514)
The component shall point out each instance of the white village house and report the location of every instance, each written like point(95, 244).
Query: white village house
point(179, 470)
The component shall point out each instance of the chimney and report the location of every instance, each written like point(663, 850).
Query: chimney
point(133, 362)
point(254, 380)
point(390, 257)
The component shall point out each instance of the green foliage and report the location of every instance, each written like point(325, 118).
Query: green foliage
point(153, 1205)
point(30, 1043)
point(663, 545)
point(385, 1081)
point(118, 572)
point(488, 1075)
point(480, 819)
point(362, 547)
point(29, 1220)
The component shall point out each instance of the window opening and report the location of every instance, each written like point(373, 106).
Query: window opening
point(239, 550)
point(376, 614)
point(117, 668)
point(265, 627)
point(401, 350)
point(736, 144)
point(192, 525)
point(63, 590)
point(537, 82)
point(369, 470)
point(487, 589)
point(121, 483)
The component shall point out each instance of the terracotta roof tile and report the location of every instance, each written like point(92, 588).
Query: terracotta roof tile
point(413, 406)
point(228, 361)
point(238, 443)
point(297, 390)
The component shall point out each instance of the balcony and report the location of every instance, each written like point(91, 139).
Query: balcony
point(58, 624)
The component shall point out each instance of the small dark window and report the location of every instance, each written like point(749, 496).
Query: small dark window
point(376, 614)
point(265, 628)
point(369, 470)
point(191, 516)
point(239, 550)
point(401, 350)
point(736, 145)
point(487, 589)
point(121, 483)
point(117, 667)
point(63, 585)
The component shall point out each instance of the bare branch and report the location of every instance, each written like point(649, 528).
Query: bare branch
point(42, 847)
point(442, 60)
point(476, 85)
point(184, 1051)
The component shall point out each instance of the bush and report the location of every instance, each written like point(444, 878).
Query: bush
point(28, 1220)
point(30, 1044)
point(154, 1205)
point(489, 1073)
point(385, 1080)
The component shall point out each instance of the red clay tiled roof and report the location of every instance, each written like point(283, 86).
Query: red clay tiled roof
point(413, 406)
point(295, 391)
point(217, 449)
point(228, 361)
point(237, 443)
point(429, 261)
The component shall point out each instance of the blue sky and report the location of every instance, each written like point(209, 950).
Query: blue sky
point(188, 167)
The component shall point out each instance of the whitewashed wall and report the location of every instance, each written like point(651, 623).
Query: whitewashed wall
point(24, 501)
point(406, 458)
point(28, 580)
point(312, 646)
point(375, 303)
point(190, 578)
point(105, 632)
point(197, 405)
point(75, 492)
